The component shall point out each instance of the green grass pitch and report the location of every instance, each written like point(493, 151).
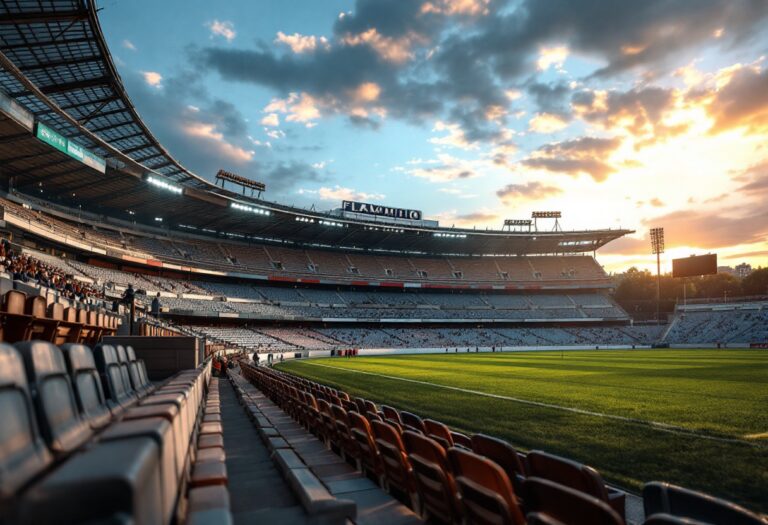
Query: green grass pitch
point(698, 418)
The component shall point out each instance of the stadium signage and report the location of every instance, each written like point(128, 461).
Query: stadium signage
point(72, 149)
point(380, 211)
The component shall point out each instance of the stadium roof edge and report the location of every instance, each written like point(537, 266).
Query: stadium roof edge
point(196, 202)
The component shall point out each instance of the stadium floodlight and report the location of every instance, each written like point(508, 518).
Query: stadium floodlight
point(657, 240)
point(547, 215)
point(518, 222)
point(252, 209)
point(223, 175)
point(657, 245)
point(160, 183)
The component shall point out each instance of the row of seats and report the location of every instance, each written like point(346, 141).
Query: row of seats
point(86, 437)
point(449, 477)
point(25, 318)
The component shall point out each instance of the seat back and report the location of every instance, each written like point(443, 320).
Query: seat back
point(413, 422)
point(486, 490)
point(58, 414)
point(500, 452)
point(23, 454)
point(136, 368)
point(56, 311)
point(122, 359)
point(360, 430)
point(14, 302)
point(88, 390)
point(571, 507)
point(434, 480)
point(439, 432)
point(394, 458)
point(111, 376)
point(659, 497)
point(567, 472)
point(390, 413)
point(17, 326)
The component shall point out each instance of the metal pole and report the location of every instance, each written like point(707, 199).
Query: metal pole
point(658, 286)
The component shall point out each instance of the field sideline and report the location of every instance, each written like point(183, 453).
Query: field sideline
point(693, 417)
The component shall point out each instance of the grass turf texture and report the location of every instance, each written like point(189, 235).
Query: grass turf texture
point(717, 393)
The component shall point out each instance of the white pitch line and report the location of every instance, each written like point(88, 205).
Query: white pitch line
point(656, 425)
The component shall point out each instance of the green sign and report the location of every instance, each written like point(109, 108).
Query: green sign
point(72, 149)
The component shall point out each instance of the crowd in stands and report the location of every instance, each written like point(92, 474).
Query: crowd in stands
point(22, 267)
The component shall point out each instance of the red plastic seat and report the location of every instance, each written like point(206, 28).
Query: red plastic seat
point(434, 481)
point(398, 473)
point(576, 476)
point(370, 460)
point(503, 454)
point(569, 506)
point(413, 422)
point(439, 432)
point(486, 491)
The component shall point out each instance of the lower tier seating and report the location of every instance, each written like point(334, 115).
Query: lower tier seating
point(447, 477)
point(89, 439)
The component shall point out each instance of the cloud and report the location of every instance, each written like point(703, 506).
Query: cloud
point(271, 119)
point(585, 155)
point(641, 112)
point(552, 56)
point(444, 168)
point(467, 220)
point(301, 43)
point(455, 136)
point(298, 107)
point(457, 7)
point(546, 123)
point(713, 228)
point(233, 153)
point(743, 101)
point(127, 44)
point(153, 78)
point(397, 50)
point(339, 193)
point(223, 29)
point(529, 191)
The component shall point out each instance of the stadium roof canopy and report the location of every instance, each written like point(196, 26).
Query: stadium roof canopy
point(55, 64)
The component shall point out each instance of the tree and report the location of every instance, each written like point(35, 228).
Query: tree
point(756, 283)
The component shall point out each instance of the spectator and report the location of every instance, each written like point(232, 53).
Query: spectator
point(156, 305)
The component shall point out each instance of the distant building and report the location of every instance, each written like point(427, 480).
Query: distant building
point(742, 270)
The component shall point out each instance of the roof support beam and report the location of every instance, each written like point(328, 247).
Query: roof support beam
point(44, 43)
point(60, 63)
point(67, 86)
point(42, 18)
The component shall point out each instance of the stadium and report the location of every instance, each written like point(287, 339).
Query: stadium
point(185, 350)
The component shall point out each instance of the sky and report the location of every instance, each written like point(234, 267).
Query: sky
point(619, 114)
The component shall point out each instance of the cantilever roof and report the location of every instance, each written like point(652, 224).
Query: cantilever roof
point(54, 61)
point(58, 46)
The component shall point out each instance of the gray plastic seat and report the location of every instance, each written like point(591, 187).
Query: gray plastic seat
point(23, 454)
point(659, 497)
point(87, 384)
point(138, 370)
point(122, 359)
point(160, 431)
point(113, 482)
point(118, 395)
point(58, 415)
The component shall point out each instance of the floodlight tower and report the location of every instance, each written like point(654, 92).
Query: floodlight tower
point(657, 244)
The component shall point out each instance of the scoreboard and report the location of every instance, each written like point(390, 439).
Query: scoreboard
point(695, 265)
